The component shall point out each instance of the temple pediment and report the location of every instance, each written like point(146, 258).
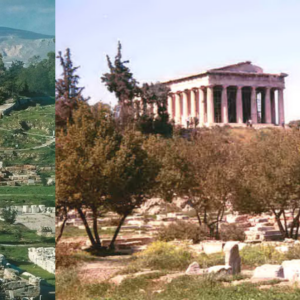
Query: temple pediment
point(243, 67)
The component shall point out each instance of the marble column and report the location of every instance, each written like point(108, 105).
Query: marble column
point(170, 107)
point(210, 105)
point(138, 110)
point(253, 105)
point(224, 105)
point(185, 108)
point(280, 107)
point(177, 109)
point(239, 105)
point(201, 106)
point(193, 103)
point(273, 110)
point(268, 106)
point(155, 110)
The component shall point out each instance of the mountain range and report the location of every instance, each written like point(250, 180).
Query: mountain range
point(17, 44)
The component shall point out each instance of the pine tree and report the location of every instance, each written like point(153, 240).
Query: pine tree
point(67, 91)
point(120, 81)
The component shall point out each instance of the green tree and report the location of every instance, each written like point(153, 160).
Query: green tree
point(121, 82)
point(155, 96)
point(131, 175)
point(269, 178)
point(9, 215)
point(68, 93)
point(82, 153)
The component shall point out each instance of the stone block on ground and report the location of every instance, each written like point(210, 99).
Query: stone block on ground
point(269, 271)
point(222, 270)
point(194, 269)
point(291, 269)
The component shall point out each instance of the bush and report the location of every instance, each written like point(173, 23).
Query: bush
point(254, 256)
point(231, 232)
point(182, 230)
point(206, 261)
point(164, 256)
point(293, 253)
point(9, 215)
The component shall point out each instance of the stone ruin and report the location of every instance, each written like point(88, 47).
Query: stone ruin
point(19, 175)
point(33, 209)
point(13, 286)
point(288, 271)
point(43, 257)
point(23, 175)
point(45, 231)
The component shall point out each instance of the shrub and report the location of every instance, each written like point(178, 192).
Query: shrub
point(231, 232)
point(9, 215)
point(206, 261)
point(164, 256)
point(261, 254)
point(182, 230)
point(293, 253)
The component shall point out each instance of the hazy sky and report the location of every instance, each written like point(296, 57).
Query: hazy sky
point(32, 15)
point(164, 39)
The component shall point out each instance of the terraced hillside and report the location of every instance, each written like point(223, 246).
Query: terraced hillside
point(27, 136)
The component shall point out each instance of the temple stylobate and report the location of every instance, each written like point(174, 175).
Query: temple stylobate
point(233, 94)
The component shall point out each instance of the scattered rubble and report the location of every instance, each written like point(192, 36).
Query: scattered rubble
point(13, 286)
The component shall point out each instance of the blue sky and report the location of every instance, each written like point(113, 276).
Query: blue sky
point(32, 15)
point(164, 39)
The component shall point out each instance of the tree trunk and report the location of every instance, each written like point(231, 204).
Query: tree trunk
point(199, 219)
point(277, 217)
point(87, 228)
point(95, 228)
point(62, 226)
point(295, 225)
point(297, 230)
point(285, 225)
point(112, 243)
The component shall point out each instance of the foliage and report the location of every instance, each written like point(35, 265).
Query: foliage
point(294, 124)
point(35, 80)
point(9, 214)
point(68, 94)
point(120, 80)
point(257, 255)
point(182, 230)
point(214, 259)
point(100, 169)
point(164, 256)
point(134, 101)
point(232, 232)
point(150, 122)
point(269, 178)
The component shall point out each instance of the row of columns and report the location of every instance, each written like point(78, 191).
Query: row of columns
point(208, 102)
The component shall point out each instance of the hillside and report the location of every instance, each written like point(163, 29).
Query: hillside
point(27, 136)
point(21, 45)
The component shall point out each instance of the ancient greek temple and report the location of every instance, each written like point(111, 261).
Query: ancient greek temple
point(234, 94)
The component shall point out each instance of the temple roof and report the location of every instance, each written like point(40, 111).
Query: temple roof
point(243, 68)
